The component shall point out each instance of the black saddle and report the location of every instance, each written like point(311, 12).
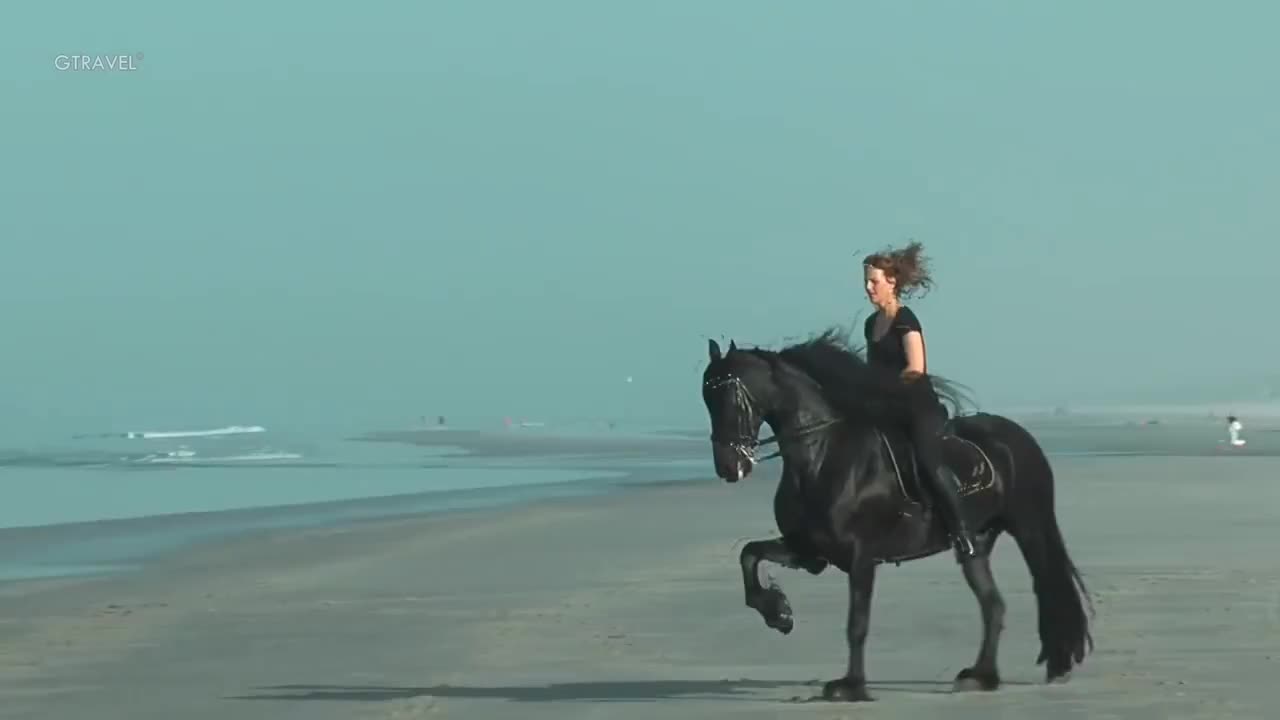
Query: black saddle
point(973, 470)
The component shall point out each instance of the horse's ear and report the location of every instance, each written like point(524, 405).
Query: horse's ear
point(713, 349)
point(732, 346)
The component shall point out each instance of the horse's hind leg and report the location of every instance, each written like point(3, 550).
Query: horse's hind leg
point(983, 675)
point(770, 601)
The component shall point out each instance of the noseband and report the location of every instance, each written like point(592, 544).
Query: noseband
point(744, 443)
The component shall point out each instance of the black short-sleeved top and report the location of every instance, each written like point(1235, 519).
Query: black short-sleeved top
point(887, 352)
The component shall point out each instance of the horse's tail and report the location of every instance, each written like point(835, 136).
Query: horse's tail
point(1061, 595)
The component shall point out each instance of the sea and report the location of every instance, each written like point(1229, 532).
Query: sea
point(105, 502)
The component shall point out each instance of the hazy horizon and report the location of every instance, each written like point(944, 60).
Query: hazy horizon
point(287, 213)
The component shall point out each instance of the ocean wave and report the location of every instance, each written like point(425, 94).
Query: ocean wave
point(171, 434)
point(191, 457)
point(91, 459)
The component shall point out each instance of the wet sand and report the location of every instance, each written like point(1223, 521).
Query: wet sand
point(630, 606)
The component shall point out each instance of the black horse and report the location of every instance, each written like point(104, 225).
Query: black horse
point(849, 496)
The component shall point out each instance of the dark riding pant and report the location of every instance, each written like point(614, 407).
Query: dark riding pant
point(925, 425)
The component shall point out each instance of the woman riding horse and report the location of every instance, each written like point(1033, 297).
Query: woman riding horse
point(895, 342)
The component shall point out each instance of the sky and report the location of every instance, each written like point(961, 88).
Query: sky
point(391, 209)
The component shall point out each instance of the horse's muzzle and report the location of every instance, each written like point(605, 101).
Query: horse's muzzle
point(735, 468)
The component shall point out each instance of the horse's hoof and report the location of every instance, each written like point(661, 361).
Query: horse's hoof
point(971, 680)
point(846, 690)
point(773, 605)
point(1057, 673)
point(783, 623)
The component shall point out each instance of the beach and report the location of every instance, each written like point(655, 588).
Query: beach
point(368, 362)
point(629, 605)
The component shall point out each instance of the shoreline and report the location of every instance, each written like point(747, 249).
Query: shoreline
point(43, 552)
point(78, 546)
point(590, 465)
point(604, 463)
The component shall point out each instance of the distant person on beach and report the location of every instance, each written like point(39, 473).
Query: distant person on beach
point(895, 342)
point(1233, 430)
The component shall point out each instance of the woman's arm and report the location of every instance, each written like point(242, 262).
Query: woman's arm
point(908, 328)
point(913, 345)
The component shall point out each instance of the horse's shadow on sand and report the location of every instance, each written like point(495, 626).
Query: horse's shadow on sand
point(601, 691)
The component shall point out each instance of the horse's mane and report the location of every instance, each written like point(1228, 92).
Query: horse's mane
point(854, 387)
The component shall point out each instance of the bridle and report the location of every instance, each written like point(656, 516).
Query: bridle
point(744, 442)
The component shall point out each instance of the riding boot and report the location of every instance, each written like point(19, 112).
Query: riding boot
point(947, 492)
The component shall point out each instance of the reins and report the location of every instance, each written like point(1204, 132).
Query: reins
point(798, 433)
point(745, 443)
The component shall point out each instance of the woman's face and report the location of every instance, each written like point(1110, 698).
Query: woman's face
point(881, 290)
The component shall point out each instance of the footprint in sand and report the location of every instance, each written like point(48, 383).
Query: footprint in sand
point(615, 641)
point(120, 610)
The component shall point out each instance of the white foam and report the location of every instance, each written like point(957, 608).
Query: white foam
point(193, 458)
point(160, 434)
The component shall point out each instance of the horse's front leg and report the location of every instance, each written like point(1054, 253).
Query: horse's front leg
point(853, 686)
point(767, 598)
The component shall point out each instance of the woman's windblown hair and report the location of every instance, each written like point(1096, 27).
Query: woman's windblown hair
point(908, 266)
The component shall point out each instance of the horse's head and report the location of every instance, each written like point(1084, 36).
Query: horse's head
point(738, 389)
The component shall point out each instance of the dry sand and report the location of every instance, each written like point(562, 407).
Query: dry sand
point(630, 606)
